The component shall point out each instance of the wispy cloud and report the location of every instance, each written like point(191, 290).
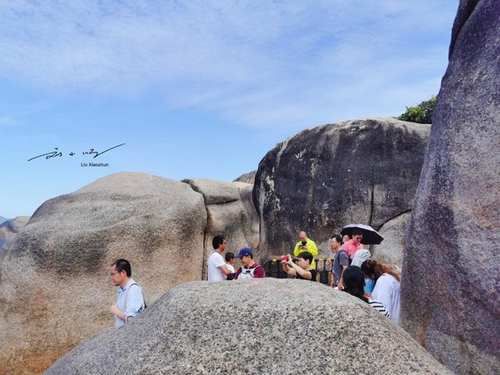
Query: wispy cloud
point(259, 63)
point(7, 121)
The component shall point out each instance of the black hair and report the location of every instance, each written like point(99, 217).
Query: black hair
point(306, 255)
point(337, 237)
point(354, 282)
point(123, 265)
point(373, 270)
point(217, 241)
point(229, 256)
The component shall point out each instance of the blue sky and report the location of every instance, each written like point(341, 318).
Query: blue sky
point(197, 88)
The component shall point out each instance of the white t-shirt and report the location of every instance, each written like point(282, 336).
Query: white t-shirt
point(230, 268)
point(359, 257)
point(386, 291)
point(215, 260)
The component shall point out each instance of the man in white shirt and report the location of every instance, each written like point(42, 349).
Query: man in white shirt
point(217, 269)
point(129, 300)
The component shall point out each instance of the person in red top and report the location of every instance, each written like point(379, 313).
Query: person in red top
point(354, 244)
point(249, 268)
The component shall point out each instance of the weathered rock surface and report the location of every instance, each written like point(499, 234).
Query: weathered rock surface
point(451, 269)
point(9, 229)
point(391, 249)
point(55, 288)
point(249, 177)
point(362, 171)
point(230, 210)
point(253, 328)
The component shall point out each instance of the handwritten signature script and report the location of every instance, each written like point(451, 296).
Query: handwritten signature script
point(58, 154)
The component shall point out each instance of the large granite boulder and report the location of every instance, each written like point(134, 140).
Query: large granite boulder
point(451, 269)
point(391, 249)
point(9, 229)
point(230, 211)
point(55, 288)
point(363, 171)
point(249, 177)
point(265, 326)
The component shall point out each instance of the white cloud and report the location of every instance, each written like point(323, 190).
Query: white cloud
point(260, 63)
point(7, 121)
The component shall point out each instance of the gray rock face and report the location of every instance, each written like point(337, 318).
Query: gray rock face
point(362, 171)
point(230, 210)
point(391, 249)
point(9, 229)
point(451, 282)
point(55, 286)
point(265, 326)
point(249, 177)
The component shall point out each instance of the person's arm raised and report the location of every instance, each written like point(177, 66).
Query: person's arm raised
point(300, 271)
point(290, 271)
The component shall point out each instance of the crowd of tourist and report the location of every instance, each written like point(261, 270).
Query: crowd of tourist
point(352, 271)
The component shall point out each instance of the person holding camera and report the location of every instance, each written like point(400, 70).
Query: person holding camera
point(303, 269)
point(305, 244)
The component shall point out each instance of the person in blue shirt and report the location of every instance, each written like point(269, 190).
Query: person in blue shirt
point(130, 299)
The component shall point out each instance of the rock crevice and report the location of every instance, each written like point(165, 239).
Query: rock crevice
point(323, 178)
point(230, 211)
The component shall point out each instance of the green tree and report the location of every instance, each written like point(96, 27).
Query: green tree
point(421, 113)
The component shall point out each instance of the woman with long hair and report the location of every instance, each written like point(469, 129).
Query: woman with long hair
point(387, 285)
point(354, 284)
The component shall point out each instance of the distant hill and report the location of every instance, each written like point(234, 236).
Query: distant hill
point(9, 228)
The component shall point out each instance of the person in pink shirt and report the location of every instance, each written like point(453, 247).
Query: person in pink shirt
point(354, 244)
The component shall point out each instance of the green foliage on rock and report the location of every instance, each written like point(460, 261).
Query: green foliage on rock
point(421, 113)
